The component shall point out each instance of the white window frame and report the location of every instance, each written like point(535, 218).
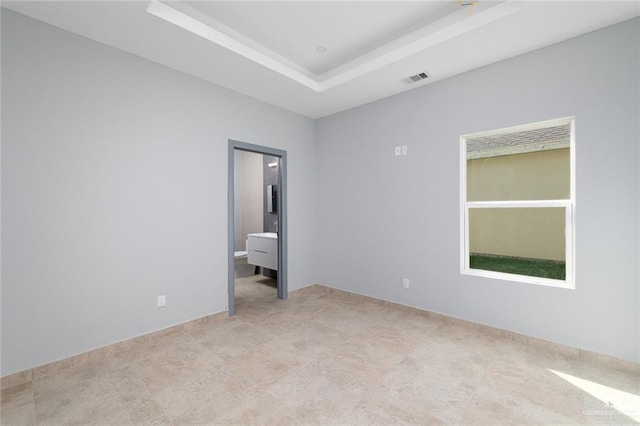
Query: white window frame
point(568, 204)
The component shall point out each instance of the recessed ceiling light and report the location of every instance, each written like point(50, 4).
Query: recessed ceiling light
point(321, 49)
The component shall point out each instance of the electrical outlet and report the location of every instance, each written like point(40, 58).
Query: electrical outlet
point(405, 283)
point(162, 301)
point(404, 150)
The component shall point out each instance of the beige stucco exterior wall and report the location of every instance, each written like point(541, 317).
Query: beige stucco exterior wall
point(534, 233)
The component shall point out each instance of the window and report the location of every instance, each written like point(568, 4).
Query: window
point(517, 203)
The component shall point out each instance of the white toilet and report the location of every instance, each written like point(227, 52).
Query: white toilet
point(241, 268)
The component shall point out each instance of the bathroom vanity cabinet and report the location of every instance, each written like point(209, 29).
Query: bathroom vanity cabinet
point(263, 249)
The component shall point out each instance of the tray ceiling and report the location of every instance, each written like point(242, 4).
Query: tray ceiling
point(319, 58)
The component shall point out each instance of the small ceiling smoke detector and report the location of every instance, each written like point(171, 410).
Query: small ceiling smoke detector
point(321, 49)
point(415, 78)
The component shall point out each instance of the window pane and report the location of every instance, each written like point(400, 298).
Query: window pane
point(538, 175)
point(523, 241)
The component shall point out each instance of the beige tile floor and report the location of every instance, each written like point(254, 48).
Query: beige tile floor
point(324, 357)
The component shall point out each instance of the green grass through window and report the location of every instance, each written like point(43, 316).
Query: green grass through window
point(514, 265)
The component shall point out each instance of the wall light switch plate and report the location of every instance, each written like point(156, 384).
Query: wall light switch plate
point(162, 301)
point(398, 151)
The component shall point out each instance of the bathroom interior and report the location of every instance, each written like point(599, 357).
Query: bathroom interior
point(255, 222)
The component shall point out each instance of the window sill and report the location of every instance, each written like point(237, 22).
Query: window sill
point(519, 278)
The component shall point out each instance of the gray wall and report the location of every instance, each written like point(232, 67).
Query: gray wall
point(387, 217)
point(114, 191)
point(252, 203)
point(238, 169)
point(637, 118)
point(270, 178)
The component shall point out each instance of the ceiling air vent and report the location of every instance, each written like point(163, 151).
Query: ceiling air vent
point(416, 78)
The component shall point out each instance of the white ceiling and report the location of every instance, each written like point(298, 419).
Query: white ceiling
point(269, 50)
point(295, 30)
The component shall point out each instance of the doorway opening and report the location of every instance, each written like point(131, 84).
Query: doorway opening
point(257, 235)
